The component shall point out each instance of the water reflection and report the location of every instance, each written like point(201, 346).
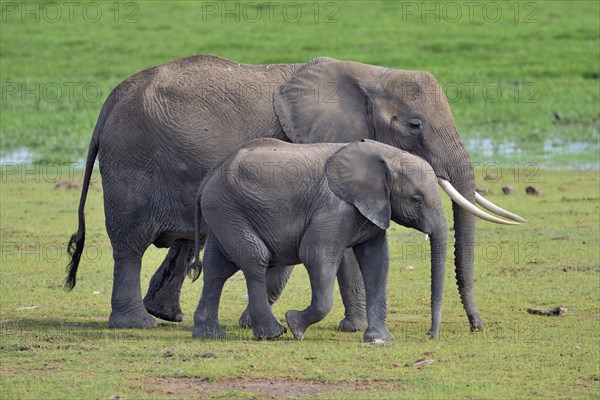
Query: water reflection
point(20, 155)
point(551, 152)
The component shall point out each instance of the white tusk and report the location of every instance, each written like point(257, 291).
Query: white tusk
point(488, 205)
point(468, 206)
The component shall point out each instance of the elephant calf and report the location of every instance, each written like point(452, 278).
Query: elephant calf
point(273, 204)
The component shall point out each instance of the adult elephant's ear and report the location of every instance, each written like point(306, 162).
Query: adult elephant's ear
point(327, 102)
point(358, 174)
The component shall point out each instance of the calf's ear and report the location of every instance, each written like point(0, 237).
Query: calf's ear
point(358, 174)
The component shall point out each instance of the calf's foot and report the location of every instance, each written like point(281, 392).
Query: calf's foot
point(268, 331)
point(297, 323)
point(353, 324)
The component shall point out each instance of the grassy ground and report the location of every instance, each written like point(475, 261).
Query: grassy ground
point(542, 56)
point(521, 74)
point(63, 347)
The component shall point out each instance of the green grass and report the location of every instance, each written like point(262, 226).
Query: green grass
point(550, 58)
point(505, 74)
point(64, 349)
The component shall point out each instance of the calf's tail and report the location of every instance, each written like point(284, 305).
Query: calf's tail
point(196, 268)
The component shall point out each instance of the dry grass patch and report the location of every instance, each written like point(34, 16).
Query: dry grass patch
point(276, 388)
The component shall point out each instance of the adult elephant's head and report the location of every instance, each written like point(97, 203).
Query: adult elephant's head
point(341, 101)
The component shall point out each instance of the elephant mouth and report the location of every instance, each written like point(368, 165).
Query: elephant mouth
point(459, 199)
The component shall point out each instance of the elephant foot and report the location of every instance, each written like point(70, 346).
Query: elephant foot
point(297, 323)
point(137, 318)
point(269, 331)
point(245, 321)
point(352, 324)
point(382, 333)
point(208, 331)
point(169, 312)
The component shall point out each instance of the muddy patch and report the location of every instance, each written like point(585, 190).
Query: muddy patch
point(275, 388)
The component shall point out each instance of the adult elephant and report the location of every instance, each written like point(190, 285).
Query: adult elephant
point(161, 130)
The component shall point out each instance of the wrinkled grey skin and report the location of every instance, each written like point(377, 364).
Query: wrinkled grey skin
point(274, 204)
point(161, 130)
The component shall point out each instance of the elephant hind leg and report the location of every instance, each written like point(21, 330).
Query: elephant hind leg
point(216, 272)
point(128, 311)
point(276, 279)
point(352, 290)
point(254, 256)
point(162, 299)
point(264, 323)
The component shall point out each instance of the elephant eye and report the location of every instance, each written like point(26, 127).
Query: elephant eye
point(416, 199)
point(415, 123)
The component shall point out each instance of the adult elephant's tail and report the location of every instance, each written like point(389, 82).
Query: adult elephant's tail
point(76, 244)
point(75, 247)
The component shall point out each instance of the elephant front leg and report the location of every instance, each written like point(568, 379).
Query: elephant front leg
point(276, 279)
point(162, 299)
point(128, 311)
point(373, 258)
point(352, 290)
point(322, 273)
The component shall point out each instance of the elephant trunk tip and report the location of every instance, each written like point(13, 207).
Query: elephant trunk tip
point(433, 333)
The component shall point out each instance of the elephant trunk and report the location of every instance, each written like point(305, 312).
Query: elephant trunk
point(438, 265)
point(463, 180)
point(454, 165)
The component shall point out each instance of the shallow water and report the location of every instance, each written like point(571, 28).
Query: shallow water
point(20, 155)
point(552, 152)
